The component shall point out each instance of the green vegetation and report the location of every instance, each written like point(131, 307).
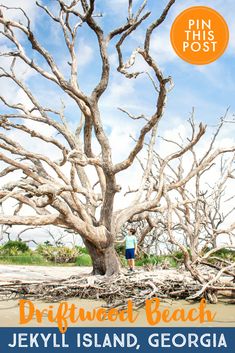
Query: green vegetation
point(157, 260)
point(225, 254)
point(18, 252)
point(14, 248)
point(58, 254)
point(82, 249)
point(23, 260)
point(83, 260)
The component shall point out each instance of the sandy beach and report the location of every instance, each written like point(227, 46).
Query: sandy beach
point(39, 273)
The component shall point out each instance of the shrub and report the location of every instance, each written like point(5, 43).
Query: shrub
point(84, 260)
point(171, 261)
point(223, 254)
point(178, 255)
point(82, 249)
point(155, 260)
point(147, 260)
point(59, 254)
point(120, 248)
point(14, 247)
point(226, 254)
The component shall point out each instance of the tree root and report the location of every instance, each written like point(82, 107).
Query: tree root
point(116, 290)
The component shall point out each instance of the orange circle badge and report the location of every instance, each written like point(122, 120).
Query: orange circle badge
point(199, 35)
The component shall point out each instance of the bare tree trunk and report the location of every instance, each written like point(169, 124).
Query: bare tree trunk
point(104, 261)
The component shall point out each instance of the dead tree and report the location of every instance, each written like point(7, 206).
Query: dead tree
point(59, 191)
point(197, 192)
point(201, 207)
point(205, 209)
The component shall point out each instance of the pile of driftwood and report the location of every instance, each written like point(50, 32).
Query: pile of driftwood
point(116, 290)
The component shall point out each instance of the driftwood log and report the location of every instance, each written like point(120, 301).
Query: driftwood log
point(116, 290)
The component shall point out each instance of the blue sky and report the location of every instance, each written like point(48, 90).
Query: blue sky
point(210, 88)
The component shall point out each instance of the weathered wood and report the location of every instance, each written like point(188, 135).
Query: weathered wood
point(116, 290)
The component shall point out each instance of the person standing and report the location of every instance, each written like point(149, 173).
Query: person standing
point(131, 248)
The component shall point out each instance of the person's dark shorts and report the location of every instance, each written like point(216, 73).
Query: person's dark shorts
point(130, 254)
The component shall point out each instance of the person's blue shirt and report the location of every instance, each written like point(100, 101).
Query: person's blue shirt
point(131, 241)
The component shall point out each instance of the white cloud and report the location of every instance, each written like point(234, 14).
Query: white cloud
point(120, 88)
point(85, 53)
point(162, 48)
point(27, 5)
